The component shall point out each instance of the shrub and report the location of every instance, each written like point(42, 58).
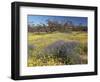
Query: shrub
point(65, 51)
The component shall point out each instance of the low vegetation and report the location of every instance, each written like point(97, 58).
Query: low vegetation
point(57, 48)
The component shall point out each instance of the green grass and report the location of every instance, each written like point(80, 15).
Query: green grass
point(42, 40)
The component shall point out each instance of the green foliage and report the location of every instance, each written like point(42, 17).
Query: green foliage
point(39, 56)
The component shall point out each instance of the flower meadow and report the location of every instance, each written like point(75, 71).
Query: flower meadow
point(57, 48)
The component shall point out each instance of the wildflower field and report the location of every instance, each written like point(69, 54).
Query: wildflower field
point(57, 48)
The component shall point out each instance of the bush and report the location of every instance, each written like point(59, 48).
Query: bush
point(65, 51)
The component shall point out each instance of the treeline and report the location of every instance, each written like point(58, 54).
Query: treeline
point(53, 26)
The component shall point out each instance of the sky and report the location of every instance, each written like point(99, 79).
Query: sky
point(42, 19)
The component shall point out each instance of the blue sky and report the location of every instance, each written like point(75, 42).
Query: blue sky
point(42, 19)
